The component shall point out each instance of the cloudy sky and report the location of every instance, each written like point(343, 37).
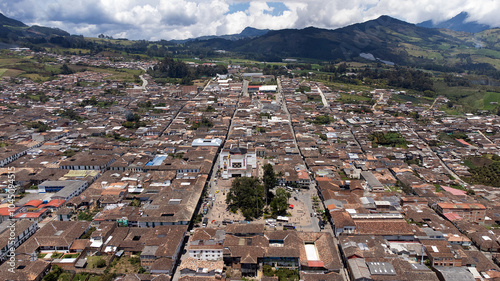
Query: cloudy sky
point(181, 19)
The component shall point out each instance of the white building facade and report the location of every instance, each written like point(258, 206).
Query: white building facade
point(237, 162)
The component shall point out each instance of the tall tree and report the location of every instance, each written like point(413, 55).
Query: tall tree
point(269, 178)
point(247, 195)
point(279, 204)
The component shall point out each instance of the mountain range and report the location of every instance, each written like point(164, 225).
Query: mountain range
point(385, 39)
point(457, 23)
point(248, 32)
point(14, 32)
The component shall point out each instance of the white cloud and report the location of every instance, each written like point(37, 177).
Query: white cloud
point(180, 19)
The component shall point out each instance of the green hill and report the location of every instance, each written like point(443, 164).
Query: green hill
point(385, 38)
point(14, 32)
point(5, 21)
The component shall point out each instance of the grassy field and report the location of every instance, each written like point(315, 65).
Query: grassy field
point(37, 77)
point(41, 72)
point(12, 72)
point(470, 98)
point(348, 87)
point(350, 98)
point(126, 75)
point(6, 66)
point(473, 162)
point(417, 51)
point(26, 67)
point(453, 93)
point(92, 261)
point(450, 111)
point(114, 41)
point(487, 100)
point(125, 265)
point(415, 100)
point(7, 61)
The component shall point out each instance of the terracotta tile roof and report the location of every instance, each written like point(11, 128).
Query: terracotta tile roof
point(476, 259)
point(199, 278)
point(55, 203)
point(437, 248)
point(80, 244)
point(383, 227)
point(331, 276)
point(315, 264)
point(208, 247)
point(341, 219)
point(244, 228)
point(194, 264)
point(6, 211)
point(34, 203)
point(364, 246)
point(454, 191)
point(144, 277)
point(31, 271)
point(327, 250)
point(162, 264)
point(475, 206)
point(452, 216)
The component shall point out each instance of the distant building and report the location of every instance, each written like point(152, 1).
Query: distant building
point(25, 270)
point(445, 273)
point(206, 244)
point(22, 230)
point(64, 189)
point(55, 236)
point(441, 253)
point(237, 162)
point(467, 211)
point(373, 183)
point(207, 142)
point(88, 162)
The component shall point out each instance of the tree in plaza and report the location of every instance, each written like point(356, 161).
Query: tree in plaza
point(279, 204)
point(247, 195)
point(268, 178)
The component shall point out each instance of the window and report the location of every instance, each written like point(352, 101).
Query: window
point(236, 165)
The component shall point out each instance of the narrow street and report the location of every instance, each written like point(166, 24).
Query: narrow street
point(144, 81)
point(381, 98)
point(312, 191)
point(323, 98)
point(430, 107)
point(484, 136)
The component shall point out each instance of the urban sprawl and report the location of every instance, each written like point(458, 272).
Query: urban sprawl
point(244, 176)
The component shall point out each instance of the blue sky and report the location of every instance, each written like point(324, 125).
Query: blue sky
point(181, 19)
point(277, 8)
